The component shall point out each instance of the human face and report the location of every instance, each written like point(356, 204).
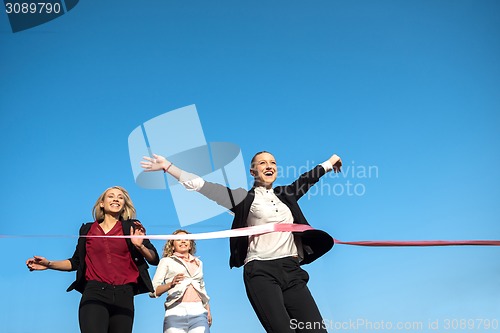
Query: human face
point(182, 246)
point(264, 170)
point(113, 202)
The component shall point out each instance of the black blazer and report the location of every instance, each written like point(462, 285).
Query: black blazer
point(144, 284)
point(315, 242)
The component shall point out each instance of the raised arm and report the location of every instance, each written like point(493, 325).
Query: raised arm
point(221, 194)
point(158, 162)
point(190, 181)
point(300, 186)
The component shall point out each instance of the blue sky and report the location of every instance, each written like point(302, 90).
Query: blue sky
point(409, 89)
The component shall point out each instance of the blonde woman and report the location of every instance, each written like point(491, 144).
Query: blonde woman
point(180, 275)
point(109, 271)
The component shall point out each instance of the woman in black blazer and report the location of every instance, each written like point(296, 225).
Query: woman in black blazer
point(109, 271)
point(275, 283)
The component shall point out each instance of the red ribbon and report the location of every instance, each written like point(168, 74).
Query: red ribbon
point(422, 243)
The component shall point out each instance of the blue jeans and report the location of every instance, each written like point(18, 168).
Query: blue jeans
point(186, 317)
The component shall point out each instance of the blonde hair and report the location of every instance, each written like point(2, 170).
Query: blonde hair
point(168, 249)
point(128, 211)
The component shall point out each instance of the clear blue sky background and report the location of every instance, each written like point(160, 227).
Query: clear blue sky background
point(409, 88)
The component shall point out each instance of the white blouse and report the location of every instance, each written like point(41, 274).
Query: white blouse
point(267, 208)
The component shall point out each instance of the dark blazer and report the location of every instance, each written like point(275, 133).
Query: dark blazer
point(315, 242)
point(144, 284)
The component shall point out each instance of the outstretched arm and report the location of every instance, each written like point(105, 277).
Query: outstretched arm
point(190, 181)
point(158, 162)
point(221, 194)
point(38, 263)
point(300, 186)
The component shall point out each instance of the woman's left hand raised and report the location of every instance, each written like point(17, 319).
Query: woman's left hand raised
point(137, 230)
point(336, 163)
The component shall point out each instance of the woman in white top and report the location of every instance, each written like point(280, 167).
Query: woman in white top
point(275, 283)
point(180, 274)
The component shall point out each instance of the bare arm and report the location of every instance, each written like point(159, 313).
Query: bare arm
point(158, 162)
point(148, 254)
point(38, 263)
point(209, 314)
point(163, 288)
point(221, 194)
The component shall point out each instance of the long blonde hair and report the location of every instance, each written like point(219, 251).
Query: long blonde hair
point(128, 211)
point(168, 249)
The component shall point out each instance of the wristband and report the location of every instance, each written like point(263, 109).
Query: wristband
point(166, 169)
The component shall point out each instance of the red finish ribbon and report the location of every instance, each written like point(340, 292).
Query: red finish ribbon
point(422, 243)
point(284, 227)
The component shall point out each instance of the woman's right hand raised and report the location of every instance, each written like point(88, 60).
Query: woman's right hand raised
point(37, 263)
point(177, 279)
point(155, 163)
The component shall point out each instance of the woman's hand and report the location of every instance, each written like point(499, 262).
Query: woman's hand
point(155, 163)
point(209, 318)
point(177, 279)
point(37, 263)
point(158, 162)
point(137, 230)
point(336, 163)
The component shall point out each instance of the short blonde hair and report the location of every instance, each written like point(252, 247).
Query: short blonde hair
point(168, 249)
point(128, 211)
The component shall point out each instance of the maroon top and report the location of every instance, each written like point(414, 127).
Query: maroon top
point(108, 260)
